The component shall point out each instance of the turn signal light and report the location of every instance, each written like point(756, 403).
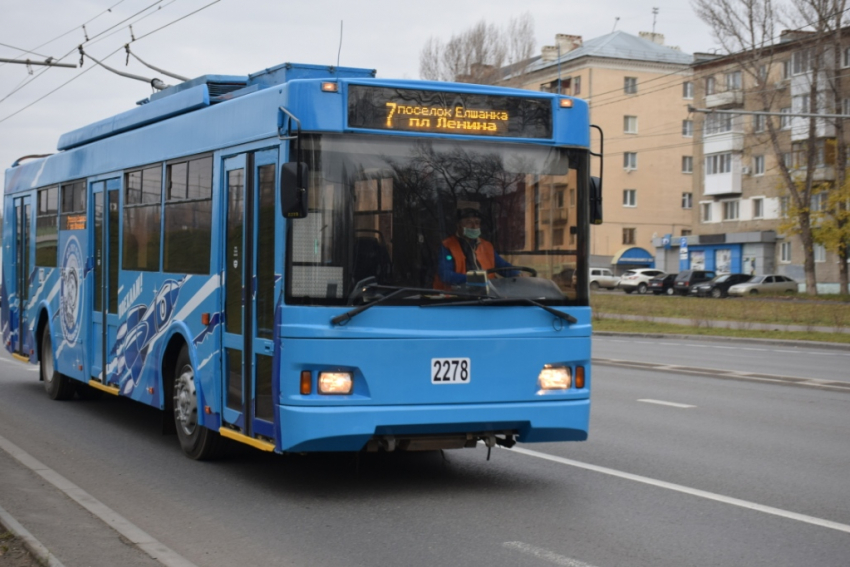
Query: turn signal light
point(566, 103)
point(330, 87)
point(306, 382)
point(579, 377)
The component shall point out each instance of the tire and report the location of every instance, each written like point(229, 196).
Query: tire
point(656, 293)
point(197, 442)
point(641, 288)
point(629, 291)
point(754, 292)
point(58, 386)
point(670, 291)
point(86, 392)
point(716, 293)
point(594, 286)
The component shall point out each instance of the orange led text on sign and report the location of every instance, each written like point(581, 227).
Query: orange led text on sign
point(457, 118)
point(75, 222)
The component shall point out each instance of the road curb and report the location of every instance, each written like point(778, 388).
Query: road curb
point(720, 339)
point(38, 550)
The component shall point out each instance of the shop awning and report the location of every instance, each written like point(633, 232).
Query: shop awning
point(632, 255)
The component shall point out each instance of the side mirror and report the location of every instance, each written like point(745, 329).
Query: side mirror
point(595, 200)
point(293, 190)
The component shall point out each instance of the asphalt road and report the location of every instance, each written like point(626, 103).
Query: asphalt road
point(735, 473)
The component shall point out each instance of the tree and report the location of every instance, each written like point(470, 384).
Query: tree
point(484, 54)
point(832, 226)
point(747, 29)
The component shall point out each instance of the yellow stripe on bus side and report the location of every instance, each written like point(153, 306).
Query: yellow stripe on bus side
point(102, 387)
point(256, 443)
point(20, 357)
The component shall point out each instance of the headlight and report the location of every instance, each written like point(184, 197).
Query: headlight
point(554, 378)
point(338, 383)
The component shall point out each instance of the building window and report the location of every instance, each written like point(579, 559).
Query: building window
point(687, 89)
point(630, 124)
point(142, 216)
point(558, 237)
point(733, 81)
point(688, 128)
point(845, 60)
point(576, 86)
point(802, 104)
point(629, 236)
point(820, 252)
point(759, 121)
point(730, 210)
point(718, 163)
point(762, 74)
point(758, 165)
point(784, 205)
point(572, 197)
point(758, 208)
point(630, 160)
point(188, 215)
point(845, 106)
point(802, 61)
point(818, 202)
point(687, 200)
point(705, 212)
point(686, 232)
point(717, 124)
point(785, 120)
point(786, 69)
point(709, 86)
point(788, 160)
point(559, 199)
point(629, 197)
point(785, 252)
point(687, 164)
point(630, 85)
point(46, 227)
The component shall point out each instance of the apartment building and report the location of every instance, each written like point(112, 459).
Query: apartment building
point(740, 199)
point(638, 90)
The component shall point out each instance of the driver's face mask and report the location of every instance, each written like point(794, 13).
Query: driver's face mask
point(472, 233)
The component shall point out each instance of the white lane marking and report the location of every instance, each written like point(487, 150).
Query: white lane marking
point(663, 403)
point(687, 490)
point(123, 526)
point(544, 554)
point(33, 544)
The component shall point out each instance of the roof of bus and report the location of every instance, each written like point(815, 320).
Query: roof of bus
point(197, 116)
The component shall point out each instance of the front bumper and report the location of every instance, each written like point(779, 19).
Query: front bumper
point(349, 428)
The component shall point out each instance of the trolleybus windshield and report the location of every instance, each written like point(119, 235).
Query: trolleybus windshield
point(385, 208)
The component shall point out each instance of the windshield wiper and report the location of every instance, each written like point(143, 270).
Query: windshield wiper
point(396, 291)
point(495, 301)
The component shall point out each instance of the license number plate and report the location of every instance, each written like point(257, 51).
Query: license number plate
point(450, 371)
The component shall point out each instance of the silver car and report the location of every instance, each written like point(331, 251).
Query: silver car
point(772, 283)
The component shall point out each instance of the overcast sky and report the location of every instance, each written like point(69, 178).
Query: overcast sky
point(243, 36)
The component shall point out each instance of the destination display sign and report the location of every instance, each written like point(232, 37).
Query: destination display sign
point(409, 110)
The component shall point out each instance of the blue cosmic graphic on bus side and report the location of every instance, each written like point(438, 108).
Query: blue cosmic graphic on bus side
point(143, 325)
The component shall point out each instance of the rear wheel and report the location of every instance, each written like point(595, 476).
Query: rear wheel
point(641, 288)
point(716, 293)
point(670, 291)
point(197, 442)
point(594, 286)
point(58, 386)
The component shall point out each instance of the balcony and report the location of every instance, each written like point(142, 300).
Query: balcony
point(728, 98)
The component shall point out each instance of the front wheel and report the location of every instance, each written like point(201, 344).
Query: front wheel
point(716, 293)
point(197, 441)
point(754, 292)
point(57, 385)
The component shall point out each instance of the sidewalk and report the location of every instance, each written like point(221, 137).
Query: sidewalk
point(716, 324)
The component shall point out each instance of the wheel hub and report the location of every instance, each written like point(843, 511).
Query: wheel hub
point(185, 401)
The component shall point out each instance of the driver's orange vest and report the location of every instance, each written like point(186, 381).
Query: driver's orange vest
point(484, 253)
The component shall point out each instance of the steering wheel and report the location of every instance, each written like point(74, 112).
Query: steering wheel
point(531, 271)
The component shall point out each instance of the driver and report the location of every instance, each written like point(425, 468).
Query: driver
point(465, 251)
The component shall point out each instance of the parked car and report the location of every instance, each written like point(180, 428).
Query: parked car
point(662, 284)
point(602, 277)
point(719, 286)
point(685, 280)
point(637, 280)
point(771, 283)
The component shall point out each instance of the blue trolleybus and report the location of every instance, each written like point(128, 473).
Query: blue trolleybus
point(312, 259)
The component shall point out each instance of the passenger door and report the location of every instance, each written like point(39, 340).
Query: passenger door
point(19, 294)
point(250, 256)
point(105, 215)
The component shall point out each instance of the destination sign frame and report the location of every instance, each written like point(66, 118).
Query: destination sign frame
point(445, 112)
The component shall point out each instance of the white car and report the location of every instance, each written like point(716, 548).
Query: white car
point(602, 277)
point(772, 283)
point(638, 280)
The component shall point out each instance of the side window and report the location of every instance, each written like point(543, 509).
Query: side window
point(46, 227)
point(188, 215)
point(73, 206)
point(142, 214)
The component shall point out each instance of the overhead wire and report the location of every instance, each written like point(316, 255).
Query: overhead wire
point(75, 77)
